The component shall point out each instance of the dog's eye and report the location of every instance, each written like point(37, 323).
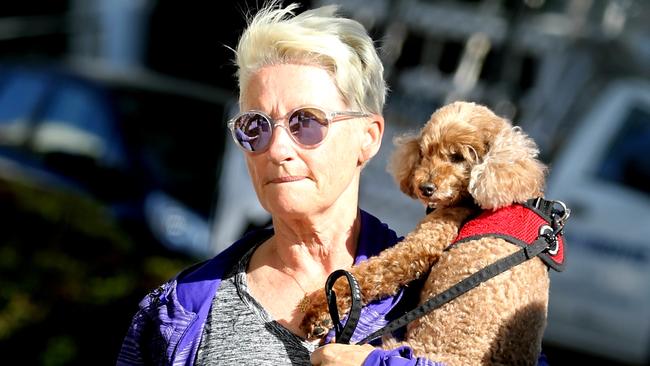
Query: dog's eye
point(456, 158)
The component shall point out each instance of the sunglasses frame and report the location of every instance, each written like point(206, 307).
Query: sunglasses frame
point(330, 117)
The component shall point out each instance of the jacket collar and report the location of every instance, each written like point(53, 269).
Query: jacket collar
point(197, 286)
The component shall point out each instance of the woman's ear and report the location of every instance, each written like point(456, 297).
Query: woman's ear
point(371, 140)
point(403, 162)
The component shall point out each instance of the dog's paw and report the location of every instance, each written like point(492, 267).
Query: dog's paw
point(320, 329)
point(316, 322)
point(316, 328)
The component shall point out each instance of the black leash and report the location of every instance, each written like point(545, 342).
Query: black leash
point(344, 332)
point(462, 287)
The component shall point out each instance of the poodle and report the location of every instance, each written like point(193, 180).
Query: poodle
point(464, 160)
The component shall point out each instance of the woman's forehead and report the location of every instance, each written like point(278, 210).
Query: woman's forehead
point(286, 86)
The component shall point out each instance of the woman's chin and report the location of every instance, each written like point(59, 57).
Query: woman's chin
point(295, 203)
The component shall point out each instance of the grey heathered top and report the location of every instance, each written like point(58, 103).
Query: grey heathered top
point(239, 331)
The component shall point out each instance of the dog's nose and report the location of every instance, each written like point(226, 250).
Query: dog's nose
point(427, 189)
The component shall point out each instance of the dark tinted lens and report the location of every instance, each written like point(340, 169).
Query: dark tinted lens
point(308, 126)
point(253, 131)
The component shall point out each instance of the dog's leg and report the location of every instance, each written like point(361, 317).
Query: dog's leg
point(393, 268)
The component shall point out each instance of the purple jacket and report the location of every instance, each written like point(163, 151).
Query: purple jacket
point(167, 328)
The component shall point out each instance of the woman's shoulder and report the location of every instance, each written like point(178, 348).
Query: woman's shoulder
point(197, 283)
point(214, 267)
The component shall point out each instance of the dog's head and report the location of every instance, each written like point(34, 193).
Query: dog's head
point(466, 151)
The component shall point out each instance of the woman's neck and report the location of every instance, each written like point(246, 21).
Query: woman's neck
point(323, 243)
point(297, 260)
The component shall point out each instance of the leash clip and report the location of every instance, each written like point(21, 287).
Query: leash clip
point(550, 233)
point(563, 211)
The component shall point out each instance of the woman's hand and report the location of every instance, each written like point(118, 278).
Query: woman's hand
point(341, 354)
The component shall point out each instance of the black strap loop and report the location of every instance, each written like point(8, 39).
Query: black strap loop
point(343, 333)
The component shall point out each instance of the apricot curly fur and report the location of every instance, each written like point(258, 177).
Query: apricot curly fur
point(474, 160)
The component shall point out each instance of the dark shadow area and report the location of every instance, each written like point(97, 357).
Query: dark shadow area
point(515, 341)
point(70, 276)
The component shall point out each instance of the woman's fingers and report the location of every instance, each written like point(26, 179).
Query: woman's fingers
point(341, 354)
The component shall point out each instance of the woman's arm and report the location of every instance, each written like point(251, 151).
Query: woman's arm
point(131, 352)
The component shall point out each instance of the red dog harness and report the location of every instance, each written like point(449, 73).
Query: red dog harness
point(519, 224)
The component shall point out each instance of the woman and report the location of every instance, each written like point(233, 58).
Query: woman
point(311, 96)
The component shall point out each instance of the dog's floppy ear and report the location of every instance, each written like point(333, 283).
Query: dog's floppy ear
point(509, 173)
point(403, 162)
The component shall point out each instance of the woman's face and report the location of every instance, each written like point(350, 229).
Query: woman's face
point(292, 180)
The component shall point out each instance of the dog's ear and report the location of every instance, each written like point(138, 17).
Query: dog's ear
point(509, 173)
point(403, 162)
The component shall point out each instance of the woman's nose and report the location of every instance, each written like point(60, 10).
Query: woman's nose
point(281, 144)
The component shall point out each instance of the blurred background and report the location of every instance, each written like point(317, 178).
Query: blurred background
point(116, 170)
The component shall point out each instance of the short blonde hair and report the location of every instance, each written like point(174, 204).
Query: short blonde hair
point(342, 46)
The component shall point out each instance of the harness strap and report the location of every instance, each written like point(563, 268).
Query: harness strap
point(484, 274)
point(521, 224)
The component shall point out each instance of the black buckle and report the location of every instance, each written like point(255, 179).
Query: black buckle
point(559, 213)
point(552, 208)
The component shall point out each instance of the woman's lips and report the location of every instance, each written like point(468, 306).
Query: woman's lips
point(287, 179)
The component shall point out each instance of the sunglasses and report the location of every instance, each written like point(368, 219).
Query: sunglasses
point(307, 126)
